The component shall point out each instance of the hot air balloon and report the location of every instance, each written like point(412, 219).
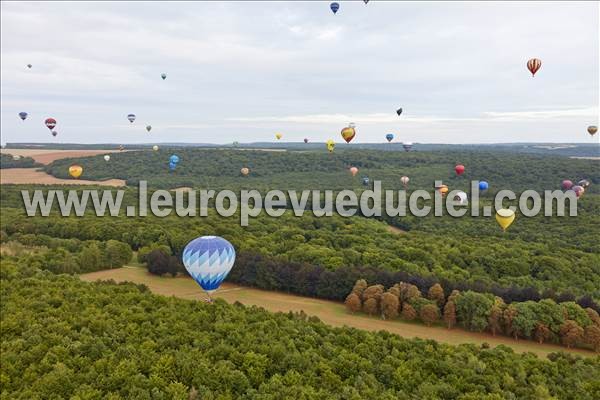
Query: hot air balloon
point(75, 171)
point(348, 134)
point(354, 171)
point(483, 185)
point(50, 123)
point(534, 65)
point(54, 133)
point(443, 189)
point(399, 111)
point(106, 158)
point(163, 76)
point(16, 157)
point(155, 148)
point(461, 198)
point(334, 7)
point(330, 145)
point(174, 159)
point(278, 136)
point(584, 183)
point(121, 147)
point(566, 184)
point(172, 166)
point(407, 146)
point(29, 65)
point(366, 1)
point(245, 171)
point(148, 128)
point(592, 129)
point(131, 117)
point(579, 190)
point(305, 140)
point(405, 180)
point(505, 217)
point(365, 181)
point(208, 259)
point(460, 169)
point(23, 115)
point(389, 137)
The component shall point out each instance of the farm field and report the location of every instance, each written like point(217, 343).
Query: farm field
point(331, 313)
point(35, 176)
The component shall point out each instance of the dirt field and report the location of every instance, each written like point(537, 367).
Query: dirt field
point(34, 176)
point(329, 312)
point(46, 156)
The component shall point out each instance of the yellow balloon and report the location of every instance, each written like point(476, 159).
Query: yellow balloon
point(75, 171)
point(278, 136)
point(245, 171)
point(330, 145)
point(505, 217)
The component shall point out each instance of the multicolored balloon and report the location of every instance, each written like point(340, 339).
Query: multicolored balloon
point(584, 183)
point(505, 218)
point(23, 115)
point(208, 259)
point(75, 171)
point(389, 137)
point(579, 190)
point(348, 134)
point(131, 117)
point(443, 189)
point(534, 65)
point(592, 129)
point(334, 7)
point(50, 123)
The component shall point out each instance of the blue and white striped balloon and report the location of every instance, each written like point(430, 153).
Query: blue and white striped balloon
point(208, 259)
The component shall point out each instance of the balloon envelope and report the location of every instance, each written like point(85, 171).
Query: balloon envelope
point(354, 171)
point(305, 140)
point(23, 115)
point(334, 7)
point(348, 134)
point(460, 169)
point(365, 181)
point(245, 171)
point(50, 123)
point(399, 111)
point(592, 129)
point(172, 166)
point(579, 190)
point(106, 157)
point(131, 117)
point(29, 65)
point(330, 145)
point(566, 184)
point(148, 128)
point(483, 185)
point(407, 146)
point(584, 183)
point(75, 171)
point(534, 65)
point(155, 148)
point(163, 76)
point(174, 159)
point(208, 259)
point(505, 217)
point(389, 137)
point(405, 180)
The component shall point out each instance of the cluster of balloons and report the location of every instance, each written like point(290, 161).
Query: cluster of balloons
point(579, 189)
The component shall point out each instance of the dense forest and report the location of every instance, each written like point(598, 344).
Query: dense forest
point(64, 338)
point(8, 161)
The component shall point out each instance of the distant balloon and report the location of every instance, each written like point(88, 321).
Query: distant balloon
point(584, 183)
point(121, 147)
point(107, 158)
point(245, 171)
point(459, 169)
point(407, 146)
point(365, 181)
point(174, 159)
point(54, 133)
point(334, 7)
point(461, 198)
point(163, 76)
point(405, 180)
point(131, 117)
point(330, 145)
point(592, 129)
point(155, 148)
point(148, 128)
point(29, 65)
point(75, 171)
point(443, 189)
point(172, 166)
point(505, 217)
point(399, 111)
point(16, 157)
point(366, 1)
point(23, 115)
point(389, 137)
point(278, 136)
point(348, 134)
point(534, 65)
point(354, 171)
point(50, 123)
point(579, 190)
point(483, 185)
point(208, 259)
point(305, 140)
point(566, 184)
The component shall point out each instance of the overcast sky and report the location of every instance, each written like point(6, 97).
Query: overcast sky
point(244, 71)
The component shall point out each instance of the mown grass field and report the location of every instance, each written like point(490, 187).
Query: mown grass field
point(331, 313)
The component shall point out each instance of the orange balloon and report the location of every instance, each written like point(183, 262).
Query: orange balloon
point(75, 171)
point(245, 171)
point(354, 171)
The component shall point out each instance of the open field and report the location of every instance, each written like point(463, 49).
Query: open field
point(329, 312)
point(46, 156)
point(24, 176)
